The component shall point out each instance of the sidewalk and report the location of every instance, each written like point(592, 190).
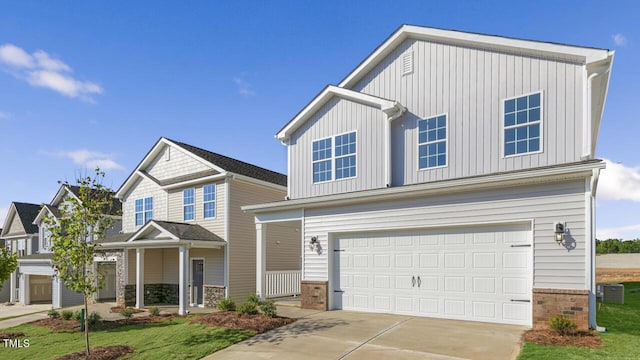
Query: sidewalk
point(22, 320)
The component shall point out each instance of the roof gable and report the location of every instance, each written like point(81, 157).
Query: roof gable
point(20, 218)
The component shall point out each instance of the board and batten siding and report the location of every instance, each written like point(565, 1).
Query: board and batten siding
point(179, 163)
point(242, 235)
point(554, 265)
point(142, 189)
point(339, 116)
point(176, 207)
point(469, 85)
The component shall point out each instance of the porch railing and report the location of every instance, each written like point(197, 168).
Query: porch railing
point(282, 283)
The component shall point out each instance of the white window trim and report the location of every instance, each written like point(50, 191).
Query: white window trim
point(192, 204)
point(446, 140)
point(334, 157)
point(541, 122)
point(143, 212)
point(215, 202)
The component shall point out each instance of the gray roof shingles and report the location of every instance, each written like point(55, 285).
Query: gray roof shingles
point(27, 214)
point(188, 231)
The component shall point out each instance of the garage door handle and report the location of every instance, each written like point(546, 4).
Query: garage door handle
point(521, 245)
point(338, 291)
point(517, 300)
point(419, 281)
point(413, 281)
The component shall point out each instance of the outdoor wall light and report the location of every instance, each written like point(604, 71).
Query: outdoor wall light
point(313, 244)
point(560, 229)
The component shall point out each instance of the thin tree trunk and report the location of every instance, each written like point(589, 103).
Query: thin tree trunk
point(86, 325)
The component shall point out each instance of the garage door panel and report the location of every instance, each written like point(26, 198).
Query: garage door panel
point(468, 274)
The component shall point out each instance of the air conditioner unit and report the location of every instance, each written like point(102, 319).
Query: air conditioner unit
point(613, 293)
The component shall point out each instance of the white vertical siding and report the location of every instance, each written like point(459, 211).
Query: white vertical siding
point(544, 204)
point(339, 116)
point(468, 84)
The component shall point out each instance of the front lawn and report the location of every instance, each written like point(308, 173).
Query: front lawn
point(621, 341)
point(176, 338)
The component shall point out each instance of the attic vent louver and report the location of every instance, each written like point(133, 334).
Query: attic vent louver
point(407, 63)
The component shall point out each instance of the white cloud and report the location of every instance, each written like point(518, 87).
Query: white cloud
point(244, 88)
point(3, 215)
point(619, 182)
point(89, 159)
point(629, 232)
point(619, 40)
point(42, 70)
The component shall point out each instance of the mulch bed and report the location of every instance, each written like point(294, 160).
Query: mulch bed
point(59, 324)
point(101, 353)
point(118, 309)
point(550, 337)
point(10, 335)
point(234, 320)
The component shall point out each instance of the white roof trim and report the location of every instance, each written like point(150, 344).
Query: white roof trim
point(60, 195)
point(389, 107)
point(146, 226)
point(498, 43)
point(165, 244)
point(578, 170)
point(41, 213)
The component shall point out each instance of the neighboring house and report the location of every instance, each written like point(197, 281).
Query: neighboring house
point(429, 181)
point(21, 236)
point(185, 240)
point(37, 267)
point(6, 286)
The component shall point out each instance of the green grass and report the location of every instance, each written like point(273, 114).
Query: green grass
point(170, 339)
point(621, 341)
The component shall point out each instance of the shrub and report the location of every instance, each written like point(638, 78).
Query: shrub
point(77, 315)
point(253, 298)
point(127, 313)
point(248, 308)
point(67, 314)
point(94, 318)
point(226, 304)
point(563, 325)
point(52, 314)
point(154, 311)
point(268, 308)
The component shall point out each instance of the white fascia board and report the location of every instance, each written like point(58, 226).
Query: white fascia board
point(598, 119)
point(146, 226)
point(389, 107)
point(164, 244)
point(195, 157)
point(57, 199)
point(31, 261)
point(499, 43)
point(40, 217)
point(574, 171)
point(195, 181)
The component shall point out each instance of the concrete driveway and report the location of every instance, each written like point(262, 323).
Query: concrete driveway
point(354, 335)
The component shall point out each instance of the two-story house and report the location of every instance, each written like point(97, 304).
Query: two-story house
point(449, 175)
point(20, 235)
point(185, 240)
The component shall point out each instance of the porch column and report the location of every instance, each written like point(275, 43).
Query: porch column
point(12, 287)
point(183, 265)
point(56, 296)
point(27, 289)
point(139, 278)
point(261, 259)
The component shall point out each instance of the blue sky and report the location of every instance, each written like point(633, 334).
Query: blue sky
point(97, 83)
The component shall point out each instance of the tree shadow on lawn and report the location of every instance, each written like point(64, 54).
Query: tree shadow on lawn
point(229, 336)
point(294, 330)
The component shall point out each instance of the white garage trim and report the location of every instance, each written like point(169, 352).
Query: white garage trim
point(481, 272)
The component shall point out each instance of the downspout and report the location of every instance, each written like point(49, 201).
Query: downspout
point(392, 113)
point(227, 190)
point(592, 265)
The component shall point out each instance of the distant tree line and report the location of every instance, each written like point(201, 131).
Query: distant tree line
point(617, 246)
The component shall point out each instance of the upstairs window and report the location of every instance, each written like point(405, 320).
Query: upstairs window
point(209, 200)
point(143, 210)
point(522, 123)
point(188, 203)
point(339, 153)
point(346, 155)
point(432, 142)
point(322, 160)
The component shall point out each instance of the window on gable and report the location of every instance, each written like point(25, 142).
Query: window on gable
point(188, 203)
point(143, 210)
point(432, 142)
point(209, 200)
point(346, 155)
point(522, 122)
point(322, 160)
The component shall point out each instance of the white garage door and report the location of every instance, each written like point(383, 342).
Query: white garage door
point(479, 274)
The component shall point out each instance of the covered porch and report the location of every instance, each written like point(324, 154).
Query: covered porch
point(174, 264)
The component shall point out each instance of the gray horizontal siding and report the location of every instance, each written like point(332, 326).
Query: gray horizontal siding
point(544, 204)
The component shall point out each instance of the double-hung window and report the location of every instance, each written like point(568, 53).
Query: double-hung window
point(209, 200)
point(522, 123)
point(188, 204)
point(143, 210)
point(337, 154)
point(322, 160)
point(432, 142)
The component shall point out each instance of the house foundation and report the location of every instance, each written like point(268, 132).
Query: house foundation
point(548, 303)
point(314, 295)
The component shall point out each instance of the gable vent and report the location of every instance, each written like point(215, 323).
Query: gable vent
point(407, 63)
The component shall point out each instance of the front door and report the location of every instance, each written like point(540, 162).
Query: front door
point(197, 280)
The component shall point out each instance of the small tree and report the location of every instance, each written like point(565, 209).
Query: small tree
point(84, 220)
point(8, 264)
